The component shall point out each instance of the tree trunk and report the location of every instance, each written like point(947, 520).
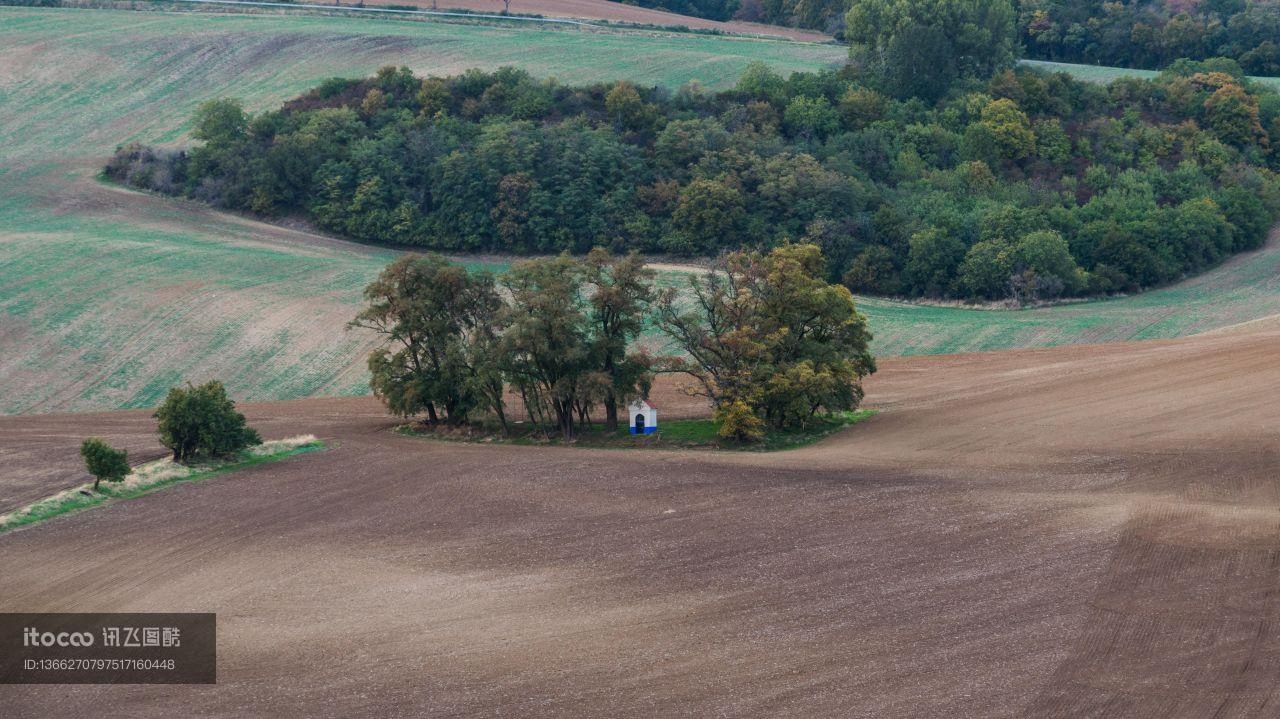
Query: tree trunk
point(431, 413)
point(611, 413)
point(502, 420)
point(564, 414)
point(95, 483)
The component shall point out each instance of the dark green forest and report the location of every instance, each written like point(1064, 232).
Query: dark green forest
point(1146, 34)
point(1027, 186)
point(1153, 33)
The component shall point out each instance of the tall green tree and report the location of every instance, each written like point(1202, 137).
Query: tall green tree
point(546, 346)
point(620, 293)
point(220, 122)
point(438, 323)
point(917, 48)
point(820, 343)
point(768, 332)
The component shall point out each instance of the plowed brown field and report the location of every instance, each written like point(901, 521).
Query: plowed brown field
point(1089, 531)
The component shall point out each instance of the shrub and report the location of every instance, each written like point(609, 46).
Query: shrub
point(736, 420)
point(202, 422)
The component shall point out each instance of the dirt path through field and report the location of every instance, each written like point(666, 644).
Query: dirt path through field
point(1082, 531)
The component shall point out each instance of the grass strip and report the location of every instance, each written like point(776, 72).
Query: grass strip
point(149, 477)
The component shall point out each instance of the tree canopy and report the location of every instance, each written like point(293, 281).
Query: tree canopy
point(898, 194)
point(1154, 33)
point(201, 422)
point(769, 339)
point(918, 48)
point(766, 333)
point(104, 462)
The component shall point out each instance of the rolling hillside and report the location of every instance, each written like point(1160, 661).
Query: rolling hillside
point(108, 297)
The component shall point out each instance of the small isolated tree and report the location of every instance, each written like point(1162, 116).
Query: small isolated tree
point(104, 461)
point(202, 422)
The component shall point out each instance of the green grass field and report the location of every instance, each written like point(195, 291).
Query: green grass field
point(109, 297)
point(1098, 73)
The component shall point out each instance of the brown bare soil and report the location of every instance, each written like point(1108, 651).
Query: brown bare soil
point(1088, 531)
point(618, 12)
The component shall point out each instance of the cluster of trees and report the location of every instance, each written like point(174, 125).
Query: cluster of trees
point(1147, 34)
point(1023, 185)
point(201, 422)
point(768, 339)
point(1136, 33)
point(556, 331)
point(194, 422)
point(1153, 33)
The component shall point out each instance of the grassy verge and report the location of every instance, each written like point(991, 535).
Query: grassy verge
point(671, 434)
point(150, 477)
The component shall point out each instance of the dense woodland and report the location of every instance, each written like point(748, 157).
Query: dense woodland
point(1153, 33)
point(1129, 33)
point(1028, 186)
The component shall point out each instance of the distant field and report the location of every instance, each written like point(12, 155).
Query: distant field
point(109, 297)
